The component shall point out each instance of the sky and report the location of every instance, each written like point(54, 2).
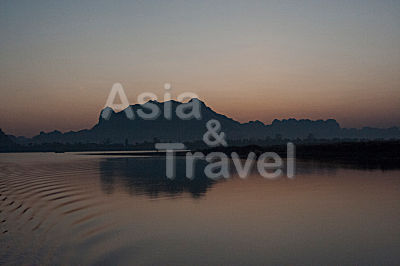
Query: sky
point(250, 60)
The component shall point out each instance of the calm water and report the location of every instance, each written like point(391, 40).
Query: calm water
point(81, 209)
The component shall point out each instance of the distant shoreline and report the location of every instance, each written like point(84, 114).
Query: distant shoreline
point(371, 154)
point(367, 154)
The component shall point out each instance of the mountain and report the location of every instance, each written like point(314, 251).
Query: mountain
point(119, 129)
point(5, 141)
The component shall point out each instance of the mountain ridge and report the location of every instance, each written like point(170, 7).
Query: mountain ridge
point(119, 129)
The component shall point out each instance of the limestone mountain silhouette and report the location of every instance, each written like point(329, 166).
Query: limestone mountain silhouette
point(5, 141)
point(119, 129)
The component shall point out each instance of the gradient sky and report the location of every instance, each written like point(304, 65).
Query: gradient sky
point(247, 59)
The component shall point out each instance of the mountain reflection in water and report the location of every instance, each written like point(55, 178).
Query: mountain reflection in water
point(147, 176)
point(72, 209)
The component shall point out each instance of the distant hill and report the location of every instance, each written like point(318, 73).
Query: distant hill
point(119, 129)
point(5, 141)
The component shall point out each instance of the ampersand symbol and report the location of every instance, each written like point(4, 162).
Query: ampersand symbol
point(211, 137)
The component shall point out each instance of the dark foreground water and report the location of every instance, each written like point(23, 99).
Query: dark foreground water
point(78, 209)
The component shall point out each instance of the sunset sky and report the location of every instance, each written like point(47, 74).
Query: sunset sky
point(250, 60)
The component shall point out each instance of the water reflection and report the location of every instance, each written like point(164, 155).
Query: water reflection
point(146, 176)
point(65, 209)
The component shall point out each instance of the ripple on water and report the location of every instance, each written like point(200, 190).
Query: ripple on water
point(41, 205)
